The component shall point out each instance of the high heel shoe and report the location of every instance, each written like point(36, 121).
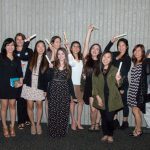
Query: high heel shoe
point(74, 126)
point(33, 129)
point(97, 127)
point(12, 131)
point(136, 133)
point(92, 128)
point(39, 129)
point(6, 132)
point(79, 127)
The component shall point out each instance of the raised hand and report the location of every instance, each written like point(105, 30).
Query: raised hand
point(91, 27)
point(114, 39)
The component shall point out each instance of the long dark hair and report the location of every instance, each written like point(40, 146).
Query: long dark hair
point(66, 62)
point(79, 54)
point(90, 66)
point(125, 41)
point(3, 49)
point(134, 60)
point(102, 65)
point(44, 63)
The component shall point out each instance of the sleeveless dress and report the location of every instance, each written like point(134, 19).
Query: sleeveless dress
point(136, 73)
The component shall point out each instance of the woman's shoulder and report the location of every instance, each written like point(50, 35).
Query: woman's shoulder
point(113, 68)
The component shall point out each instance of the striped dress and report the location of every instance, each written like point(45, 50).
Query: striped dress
point(136, 73)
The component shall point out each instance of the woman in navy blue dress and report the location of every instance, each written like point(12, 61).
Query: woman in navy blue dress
point(10, 68)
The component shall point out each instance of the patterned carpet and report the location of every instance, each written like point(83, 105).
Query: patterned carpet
point(75, 140)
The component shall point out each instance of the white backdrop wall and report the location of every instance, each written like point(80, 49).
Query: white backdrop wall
point(51, 17)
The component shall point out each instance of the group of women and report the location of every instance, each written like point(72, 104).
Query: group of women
point(73, 77)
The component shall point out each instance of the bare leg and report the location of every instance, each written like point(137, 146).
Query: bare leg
point(30, 108)
point(12, 106)
point(46, 108)
point(39, 105)
point(80, 109)
point(93, 112)
point(72, 111)
point(138, 119)
point(4, 106)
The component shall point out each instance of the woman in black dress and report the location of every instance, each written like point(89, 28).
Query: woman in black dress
point(10, 68)
point(58, 95)
point(91, 63)
point(23, 53)
point(121, 55)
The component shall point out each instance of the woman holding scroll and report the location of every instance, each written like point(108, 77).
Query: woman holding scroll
point(107, 99)
point(121, 55)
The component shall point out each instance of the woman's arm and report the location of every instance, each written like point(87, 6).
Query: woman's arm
point(100, 102)
point(110, 44)
point(87, 40)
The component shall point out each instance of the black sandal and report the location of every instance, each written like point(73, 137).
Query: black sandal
point(27, 123)
point(21, 126)
point(92, 128)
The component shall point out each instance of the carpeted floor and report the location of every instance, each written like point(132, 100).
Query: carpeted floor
point(75, 140)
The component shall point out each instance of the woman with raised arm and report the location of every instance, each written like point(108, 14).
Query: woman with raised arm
point(34, 85)
point(136, 94)
point(76, 63)
point(23, 53)
point(105, 82)
point(91, 58)
point(11, 79)
point(121, 55)
point(54, 45)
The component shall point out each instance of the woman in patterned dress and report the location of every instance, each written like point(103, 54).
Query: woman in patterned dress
point(58, 95)
point(135, 97)
point(34, 85)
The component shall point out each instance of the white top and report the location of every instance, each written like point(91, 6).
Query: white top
point(77, 67)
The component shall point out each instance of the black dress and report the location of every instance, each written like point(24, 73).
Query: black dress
point(126, 64)
point(58, 104)
point(9, 69)
point(88, 80)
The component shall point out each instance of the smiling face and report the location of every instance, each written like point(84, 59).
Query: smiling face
point(57, 43)
point(138, 53)
point(122, 47)
point(75, 48)
point(40, 48)
point(95, 51)
point(106, 59)
point(19, 41)
point(61, 55)
point(10, 48)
